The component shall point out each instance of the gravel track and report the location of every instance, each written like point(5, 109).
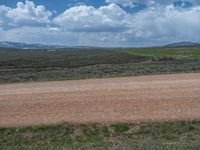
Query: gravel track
point(111, 100)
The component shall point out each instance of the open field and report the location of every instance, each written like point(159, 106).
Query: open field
point(114, 100)
point(114, 113)
point(67, 64)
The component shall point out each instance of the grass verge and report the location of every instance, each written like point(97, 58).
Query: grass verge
point(169, 135)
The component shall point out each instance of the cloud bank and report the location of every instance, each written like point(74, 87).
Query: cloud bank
point(109, 25)
point(149, 2)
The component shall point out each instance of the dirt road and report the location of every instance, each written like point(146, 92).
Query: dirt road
point(129, 99)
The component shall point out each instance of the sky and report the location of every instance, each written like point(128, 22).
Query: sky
point(102, 23)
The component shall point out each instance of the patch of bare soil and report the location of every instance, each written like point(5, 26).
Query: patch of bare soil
point(112, 100)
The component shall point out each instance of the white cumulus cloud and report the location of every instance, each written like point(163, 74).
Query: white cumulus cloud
point(83, 18)
point(23, 14)
point(169, 23)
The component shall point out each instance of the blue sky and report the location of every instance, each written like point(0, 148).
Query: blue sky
point(100, 23)
point(62, 5)
point(58, 6)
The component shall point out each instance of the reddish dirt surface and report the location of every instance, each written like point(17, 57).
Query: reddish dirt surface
point(112, 100)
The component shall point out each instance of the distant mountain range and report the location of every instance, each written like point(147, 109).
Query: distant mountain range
point(16, 45)
point(183, 44)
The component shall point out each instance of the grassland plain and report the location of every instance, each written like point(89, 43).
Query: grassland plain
point(65, 64)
